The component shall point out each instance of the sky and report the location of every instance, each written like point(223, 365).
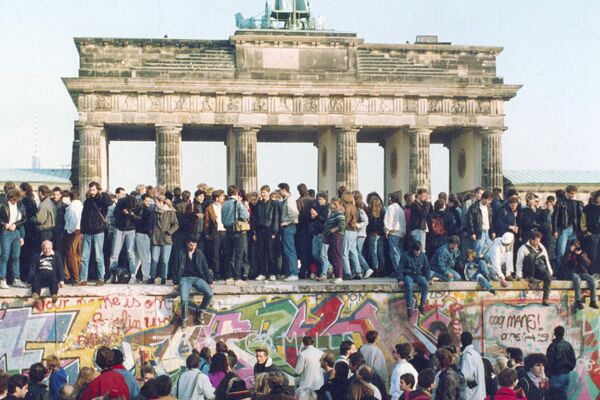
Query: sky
point(551, 47)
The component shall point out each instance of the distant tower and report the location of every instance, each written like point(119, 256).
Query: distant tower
point(35, 159)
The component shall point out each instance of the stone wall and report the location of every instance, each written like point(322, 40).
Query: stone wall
point(277, 316)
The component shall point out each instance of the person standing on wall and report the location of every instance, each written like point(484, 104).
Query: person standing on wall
point(289, 221)
point(12, 233)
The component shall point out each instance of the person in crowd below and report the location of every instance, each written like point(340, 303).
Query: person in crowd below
point(360, 390)
point(277, 387)
point(266, 227)
point(108, 380)
point(327, 365)
point(13, 217)
point(228, 380)
point(125, 216)
point(161, 238)
point(401, 354)
point(448, 384)
point(288, 222)
point(438, 222)
point(362, 225)
point(46, 214)
point(93, 224)
point(72, 238)
point(147, 372)
point(531, 218)
point(336, 387)
point(65, 392)
point(424, 388)
point(144, 224)
point(374, 356)
point(577, 265)
point(534, 384)
point(515, 361)
point(46, 270)
point(165, 385)
point(471, 366)
point(533, 263)
point(420, 360)
point(566, 221)
point(499, 256)
point(318, 214)
point(119, 359)
point(395, 230)
point(193, 273)
point(365, 374)
point(234, 210)
point(264, 363)
point(4, 377)
point(261, 388)
point(561, 360)
point(17, 387)
point(507, 382)
point(37, 390)
point(357, 363)
point(58, 376)
point(149, 391)
point(205, 359)
point(333, 233)
point(193, 384)
point(478, 223)
point(446, 262)
point(476, 270)
point(352, 269)
point(214, 232)
point(303, 235)
point(407, 383)
point(590, 227)
point(414, 268)
point(347, 348)
point(419, 213)
point(219, 367)
point(85, 376)
point(376, 235)
point(308, 367)
point(507, 219)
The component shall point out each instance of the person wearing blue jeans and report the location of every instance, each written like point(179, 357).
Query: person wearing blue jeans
point(143, 229)
point(319, 252)
point(577, 264)
point(561, 360)
point(420, 210)
point(318, 214)
point(12, 231)
point(350, 254)
point(414, 268)
point(193, 273)
point(289, 219)
point(394, 223)
point(476, 270)
point(165, 225)
point(93, 225)
point(566, 222)
point(446, 261)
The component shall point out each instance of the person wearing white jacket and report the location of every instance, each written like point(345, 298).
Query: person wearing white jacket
point(395, 229)
point(193, 384)
point(73, 237)
point(471, 366)
point(308, 367)
point(500, 254)
point(533, 256)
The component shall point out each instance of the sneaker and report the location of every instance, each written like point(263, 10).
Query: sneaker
point(545, 303)
point(35, 296)
point(260, 278)
point(409, 312)
point(99, 282)
point(54, 298)
point(18, 284)
point(493, 291)
point(357, 277)
point(3, 284)
point(594, 305)
point(369, 273)
point(150, 281)
point(322, 278)
point(580, 305)
point(422, 309)
point(337, 281)
point(82, 283)
point(272, 278)
point(291, 278)
point(229, 282)
point(132, 280)
point(245, 277)
point(313, 276)
point(163, 281)
point(509, 278)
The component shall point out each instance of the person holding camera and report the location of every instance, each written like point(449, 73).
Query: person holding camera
point(577, 264)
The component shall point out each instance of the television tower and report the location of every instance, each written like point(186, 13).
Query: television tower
point(35, 159)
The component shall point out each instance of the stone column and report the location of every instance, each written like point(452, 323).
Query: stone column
point(420, 161)
point(90, 154)
point(347, 157)
point(168, 155)
point(491, 158)
point(246, 169)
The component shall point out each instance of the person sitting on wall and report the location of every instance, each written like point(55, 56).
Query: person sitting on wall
point(476, 270)
point(193, 272)
point(533, 263)
point(446, 261)
point(47, 270)
point(414, 267)
point(576, 266)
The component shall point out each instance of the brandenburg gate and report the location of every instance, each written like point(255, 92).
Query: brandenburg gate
point(323, 87)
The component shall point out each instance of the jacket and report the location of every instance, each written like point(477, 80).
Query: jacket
point(57, 266)
point(145, 221)
point(418, 215)
point(336, 221)
point(134, 388)
point(318, 224)
point(591, 216)
point(200, 266)
point(474, 220)
point(409, 264)
point(210, 220)
point(575, 264)
point(73, 216)
point(37, 391)
point(304, 205)
point(5, 216)
point(471, 366)
point(445, 260)
point(504, 219)
point(400, 368)
point(46, 215)
point(498, 255)
point(448, 387)
point(193, 385)
point(126, 222)
point(561, 358)
point(376, 225)
point(266, 216)
point(532, 392)
point(308, 368)
point(375, 358)
point(268, 366)
point(165, 225)
point(108, 381)
point(93, 216)
point(505, 393)
point(289, 212)
point(530, 220)
point(55, 381)
point(395, 220)
point(453, 224)
point(233, 211)
point(560, 217)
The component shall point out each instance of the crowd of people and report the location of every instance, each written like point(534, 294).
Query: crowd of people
point(454, 371)
point(151, 235)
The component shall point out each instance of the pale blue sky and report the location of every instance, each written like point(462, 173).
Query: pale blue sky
point(551, 47)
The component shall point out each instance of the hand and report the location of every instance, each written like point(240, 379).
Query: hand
point(212, 285)
point(176, 288)
point(126, 211)
point(254, 238)
point(401, 283)
point(430, 282)
point(450, 276)
point(556, 235)
point(22, 241)
point(12, 227)
point(474, 237)
point(493, 236)
point(61, 284)
point(273, 236)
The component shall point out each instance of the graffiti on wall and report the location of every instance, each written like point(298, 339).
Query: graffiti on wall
point(141, 325)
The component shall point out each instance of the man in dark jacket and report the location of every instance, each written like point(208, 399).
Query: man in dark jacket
point(37, 390)
point(93, 225)
point(478, 224)
point(414, 268)
point(566, 221)
point(193, 272)
point(12, 232)
point(143, 229)
point(319, 213)
point(265, 227)
point(125, 215)
point(590, 225)
point(419, 211)
point(561, 360)
point(264, 363)
point(46, 214)
point(47, 270)
point(303, 235)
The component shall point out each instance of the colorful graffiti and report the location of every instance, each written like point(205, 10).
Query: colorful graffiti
point(142, 326)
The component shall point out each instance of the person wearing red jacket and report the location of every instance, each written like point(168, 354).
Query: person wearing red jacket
point(507, 380)
point(108, 382)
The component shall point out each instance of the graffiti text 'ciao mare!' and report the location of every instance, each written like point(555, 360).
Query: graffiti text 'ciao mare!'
point(529, 322)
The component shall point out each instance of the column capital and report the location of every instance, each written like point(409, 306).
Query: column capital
point(168, 127)
point(346, 128)
point(80, 125)
point(486, 130)
point(413, 130)
point(245, 128)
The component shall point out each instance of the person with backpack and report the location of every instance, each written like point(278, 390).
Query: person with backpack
point(438, 222)
point(446, 262)
point(533, 263)
point(193, 384)
point(424, 387)
point(561, 360)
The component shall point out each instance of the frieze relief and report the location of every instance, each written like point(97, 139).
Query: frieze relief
point(336, 105)
point(310, 104)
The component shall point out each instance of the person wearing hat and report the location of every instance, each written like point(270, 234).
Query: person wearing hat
point(500, 254)
point(533, 262)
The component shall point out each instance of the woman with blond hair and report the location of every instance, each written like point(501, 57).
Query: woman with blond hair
point(58, 376)
point(86, 375)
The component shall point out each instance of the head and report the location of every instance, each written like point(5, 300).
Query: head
point(515, 355)
point(52, 363)
point(150, 390)
point(192, 361)
point(13, 196)
point(466, 339)
point(477, 193)
point(164, 385)
point(8, 186)
point(444, 358)
point(262, 355)
point(147, 372)
point(119, 358)
point(453, 242)
point(356, 360)
point(43, 191)
point(94, 188)
point(486, 198)
point(513, 203)
point(501, 363)
point(336, 204)
point(308, 341)
point(341, 371)
point(507, 378)
point(105, 358)
point(409, 198)
point(66, 391)
point(284, 189)
point(220, 362)
point(85, 376)
point(471, 254)
point(146, 200)
point(265, 192)
point(302, 189)
point(402, 351)
point(426, 379)
point(221, 347)
point(218, 196)
point(394, 198)
point(191, 245)
point(372, 336)
point(422, 195)
point(407, 382)
point(275, 380)
point(347, 348)
point(559, 332)
point(206, 354)
point(37, 372)
point(535, 238)
point(4, 377)
point(365, 373)
point(358, 390)
point(535, 363)
point(327, 361)
point(415, 248)
point(233, 191)
point(571, 192)
point(17, 386)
